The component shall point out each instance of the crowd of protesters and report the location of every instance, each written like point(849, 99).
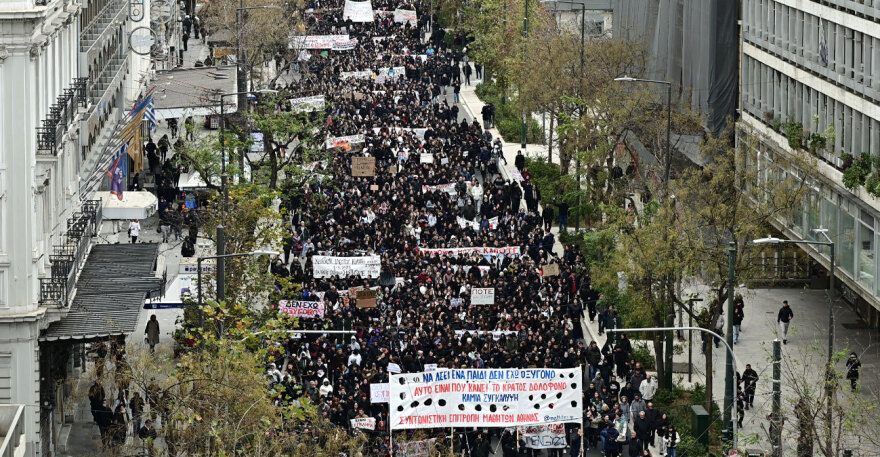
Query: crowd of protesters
point(458, 198)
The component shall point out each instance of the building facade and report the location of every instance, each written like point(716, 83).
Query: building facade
point(810, 84)
point(66, 75)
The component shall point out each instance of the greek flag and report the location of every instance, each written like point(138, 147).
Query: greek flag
point(151, 114)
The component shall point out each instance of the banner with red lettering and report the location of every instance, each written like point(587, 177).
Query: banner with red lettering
point(505, 250)
point(304, 309)
point(485, 398)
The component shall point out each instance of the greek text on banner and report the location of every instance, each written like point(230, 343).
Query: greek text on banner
point(327, 266)
point(485, 398)
point(305, 309)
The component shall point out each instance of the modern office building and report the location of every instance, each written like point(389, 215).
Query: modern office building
point(66, 76)
point(810, 78)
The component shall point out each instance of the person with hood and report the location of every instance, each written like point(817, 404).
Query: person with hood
point(325, 389)
point(852, 370)
point(610, 447)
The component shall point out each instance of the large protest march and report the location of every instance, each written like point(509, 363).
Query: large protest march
point(465, 276)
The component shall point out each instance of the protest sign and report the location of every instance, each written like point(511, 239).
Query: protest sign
point(341, 141)
point(312, 103)
point(415, 448)
point(304, 309)
point(426, 157)
point(327, 266)
point(374, 187)
point(364, 423)
point(356, 74)
point(485, 251)
point(444, 161)
point(448, 188)
point(393, 367)
point(316, 41)
point(358, 11)
point(344, 45)
point(547, 436)
point(430, 367)
point(483, 296)
point(363, 166)
point(515, 175)
point(456, 302)
point(551, 270)
point(485, 398)
point(379, 392)
point(366, 298)
point(401, 16)
point(464, 223)
point(493, 223)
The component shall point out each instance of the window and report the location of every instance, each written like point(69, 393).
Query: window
point(866, 251)
point(846, 245)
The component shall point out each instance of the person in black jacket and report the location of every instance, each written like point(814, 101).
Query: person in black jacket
point(750, 381)
point(104, 419)
point(520, 161)
point(738, 316)
point(642, 429)
point(547, 216)
point(635, 446)
point(784, 318)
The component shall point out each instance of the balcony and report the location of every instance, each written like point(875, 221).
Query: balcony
point(90, 33)
point(11, 430)
point(68, 255)
point(61, 116)
point(111, 71)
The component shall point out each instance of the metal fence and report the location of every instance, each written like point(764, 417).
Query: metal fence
point(69, 254)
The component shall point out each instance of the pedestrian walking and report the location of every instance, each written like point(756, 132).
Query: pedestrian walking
point(467, 74)
point(547, 216)
point(740, 409)
point(784, 319)
point(165, 229)
point(852, 370)
point(672, 439)
point(456, 89)
point(136, 406)
point(152, 332)
point(134, 230)
point(190, 127)
point(172, 124)
point(738, 316)
point(186, 41)
point(750, 381)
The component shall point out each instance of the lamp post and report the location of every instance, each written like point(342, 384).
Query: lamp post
point(668, 118)
point(221, 292)
point(699, 329)
point(829, 388)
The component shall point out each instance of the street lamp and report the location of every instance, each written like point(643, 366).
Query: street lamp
point(730, 354)
point(668, 117)
point(221, 287)
point(830, 363)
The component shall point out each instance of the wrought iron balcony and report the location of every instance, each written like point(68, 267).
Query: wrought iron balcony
point(61, 116)
point(69, 254)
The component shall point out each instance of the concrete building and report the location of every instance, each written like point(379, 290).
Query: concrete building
point(810, 74)
point(66, 74)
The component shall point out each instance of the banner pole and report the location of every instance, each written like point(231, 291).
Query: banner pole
point(583, 431)
point(390, 434)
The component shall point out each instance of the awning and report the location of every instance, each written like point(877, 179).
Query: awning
point(134, 205)
point(110, 292)
point(193, 181)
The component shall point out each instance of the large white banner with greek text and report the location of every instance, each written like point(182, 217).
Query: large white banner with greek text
point(327, 266)
point(304, 309)
point(358, 11)
point(485, 398)
point(317, 41)
point(315, 102)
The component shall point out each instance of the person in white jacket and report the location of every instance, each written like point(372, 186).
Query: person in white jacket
point(477, 194)
point(648, 388)
point(325, 389)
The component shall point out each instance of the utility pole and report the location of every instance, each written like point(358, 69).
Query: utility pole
point(525, 37)
point(729, 375)
point(776, 415)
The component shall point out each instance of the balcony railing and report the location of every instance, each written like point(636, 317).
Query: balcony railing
point(91, 32)
point(61, 116)
point(11, 430)
point(68, 255)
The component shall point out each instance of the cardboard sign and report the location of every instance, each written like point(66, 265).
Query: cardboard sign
point(393, 368)
point(426, 157)
point(363, 166)
point(374, 187)
point(379, 392)
point(551, 270)
point(364, 423)
point(366, 298)
point(483, 296)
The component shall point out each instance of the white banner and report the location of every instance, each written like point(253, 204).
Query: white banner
point(343, 140)
point(393, 368)
point(448, 188)
point(379, 392)
point(496, 334)
point(483, 296)
point(344, 45)
point(415, 448)
point(305, 309)
point(464, 223)
point(543, 436)
point(405, 16)
point(327, 266)
point(506, 250)
point(426, 157)
point(365, 74)
point(312, 103)
point(364, 423)
point(392, 73)
point(358, 11)
point(485, 398)
point(316, 41)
